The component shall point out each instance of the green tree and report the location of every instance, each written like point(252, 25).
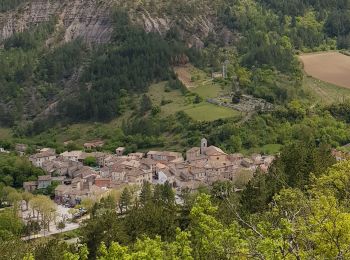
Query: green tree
point(9, 224)
point(125, 200)
point(146, 193)
point(210, 239)
point(27, 196)
point(90, 161)
point(61, 225)
point(145, 104)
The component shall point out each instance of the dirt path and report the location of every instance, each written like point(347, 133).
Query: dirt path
point(184, 75)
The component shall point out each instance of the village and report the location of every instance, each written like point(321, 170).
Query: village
point(76, 179)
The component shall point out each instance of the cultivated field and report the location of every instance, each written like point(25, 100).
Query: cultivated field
point(331, 67)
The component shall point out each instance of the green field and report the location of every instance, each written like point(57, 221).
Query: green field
point(5, 133)
point(209, 90)
point(179, 102)
point(323, 92)
point(210, 112)
point(157, 93)
point(205, 87)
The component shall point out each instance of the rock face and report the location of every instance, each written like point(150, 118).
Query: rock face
point(87, 19)
point(90, 20)
point(193, 30)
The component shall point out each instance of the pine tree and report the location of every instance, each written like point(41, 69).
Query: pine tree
point(145, 104)
point(146, 193)
point(125, 200)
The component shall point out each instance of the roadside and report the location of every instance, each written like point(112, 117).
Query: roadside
point(62, 216)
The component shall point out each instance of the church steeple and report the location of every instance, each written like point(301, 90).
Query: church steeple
point(204, 145)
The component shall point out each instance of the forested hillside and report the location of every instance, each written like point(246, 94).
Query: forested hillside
point(39, 67)
point(56, 71)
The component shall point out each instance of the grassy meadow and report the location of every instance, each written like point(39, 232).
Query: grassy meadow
point(323, 92)
point(210, 112)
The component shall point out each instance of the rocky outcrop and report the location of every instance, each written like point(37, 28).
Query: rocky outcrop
point(87, 19)
point(90, 20)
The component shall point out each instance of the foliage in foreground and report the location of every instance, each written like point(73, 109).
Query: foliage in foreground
point(307, 217)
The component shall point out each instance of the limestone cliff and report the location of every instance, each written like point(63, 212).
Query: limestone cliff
point(79, 18)
point(91, 19)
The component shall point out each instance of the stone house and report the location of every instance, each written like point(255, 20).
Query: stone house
point(76, 156)
point(138, 176)
point(136, 156)
point(215, 154)
point(100, 157)
point(44, 181)
point(75, 193)
point(21, 148)
point(120, 151)
point(103, 182)
point(84, 172)
point(30, 186)
point(193, 154)
point(61, 167)
point(205, 152)
point(164, 156)
point(94, 144)
point(113, 159)
point(39, 158)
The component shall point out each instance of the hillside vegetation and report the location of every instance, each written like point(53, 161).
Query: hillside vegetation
point(52, 79)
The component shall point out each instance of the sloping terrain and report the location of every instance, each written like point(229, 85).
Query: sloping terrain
point(43, 30)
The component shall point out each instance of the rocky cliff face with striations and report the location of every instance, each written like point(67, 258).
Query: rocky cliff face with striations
point(79, 18)
point(91, 21)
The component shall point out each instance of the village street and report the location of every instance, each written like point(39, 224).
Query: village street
point(62, 215)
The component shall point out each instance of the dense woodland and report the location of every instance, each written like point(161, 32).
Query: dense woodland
point(270, 33)
point(112, 76)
